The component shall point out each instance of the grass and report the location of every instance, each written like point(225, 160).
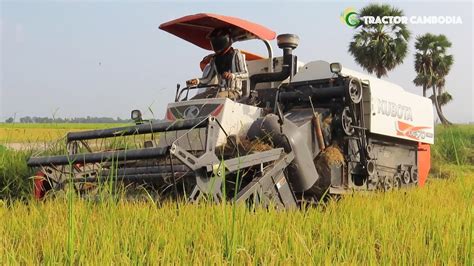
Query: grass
point(431, 225)
point(14, 182)
point(454, 146)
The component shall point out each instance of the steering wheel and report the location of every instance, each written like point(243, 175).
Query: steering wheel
point(193, 87)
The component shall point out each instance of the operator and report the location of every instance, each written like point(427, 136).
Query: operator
point(227, 64)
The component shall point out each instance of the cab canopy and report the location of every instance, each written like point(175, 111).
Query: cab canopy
point(195, 28)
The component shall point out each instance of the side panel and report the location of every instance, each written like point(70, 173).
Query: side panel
point(424, 163)
point(394, 112)
point(194, 139)
point(191, 140)
point(401, 114)
point(389, 156)
point(236, 119)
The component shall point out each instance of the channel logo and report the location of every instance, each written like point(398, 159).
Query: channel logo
point(350, 17)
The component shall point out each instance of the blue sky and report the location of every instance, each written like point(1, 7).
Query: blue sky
point(104, 59)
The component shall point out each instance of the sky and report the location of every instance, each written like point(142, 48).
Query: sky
point(95, 58)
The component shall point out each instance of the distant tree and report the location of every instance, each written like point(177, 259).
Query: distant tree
point(10, 120)
point(26, 119)
point(432, 65)
point(88, 119)
point(379, 48)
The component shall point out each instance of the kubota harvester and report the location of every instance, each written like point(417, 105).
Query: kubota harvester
point(298, 132)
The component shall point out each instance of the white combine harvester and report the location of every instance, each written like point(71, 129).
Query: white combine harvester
point(299, 131)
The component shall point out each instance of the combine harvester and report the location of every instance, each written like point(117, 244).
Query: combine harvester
point(298, 132)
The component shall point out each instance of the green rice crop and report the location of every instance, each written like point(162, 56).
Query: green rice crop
point(454, 146)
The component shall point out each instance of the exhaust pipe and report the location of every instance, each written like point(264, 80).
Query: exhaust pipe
point(287, 42)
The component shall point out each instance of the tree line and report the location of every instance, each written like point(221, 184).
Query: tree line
point(88, 119)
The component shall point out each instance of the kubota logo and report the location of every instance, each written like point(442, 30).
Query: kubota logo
point(191, 112)
point(350, 17)
point(392, 109)
point(413, 132)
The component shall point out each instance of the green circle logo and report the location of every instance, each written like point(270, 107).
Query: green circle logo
point(350, 17)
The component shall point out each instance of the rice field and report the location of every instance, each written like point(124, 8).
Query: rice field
point(430, 225)
point(32, 133)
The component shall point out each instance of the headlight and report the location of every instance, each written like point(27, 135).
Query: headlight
point(335, 68)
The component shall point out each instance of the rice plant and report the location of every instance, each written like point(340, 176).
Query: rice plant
point(430, 225)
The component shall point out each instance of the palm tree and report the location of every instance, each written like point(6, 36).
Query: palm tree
point(432, 65)
point(379, 48)
point(443, 98)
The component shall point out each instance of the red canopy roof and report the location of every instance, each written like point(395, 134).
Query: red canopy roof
point(195, 28)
